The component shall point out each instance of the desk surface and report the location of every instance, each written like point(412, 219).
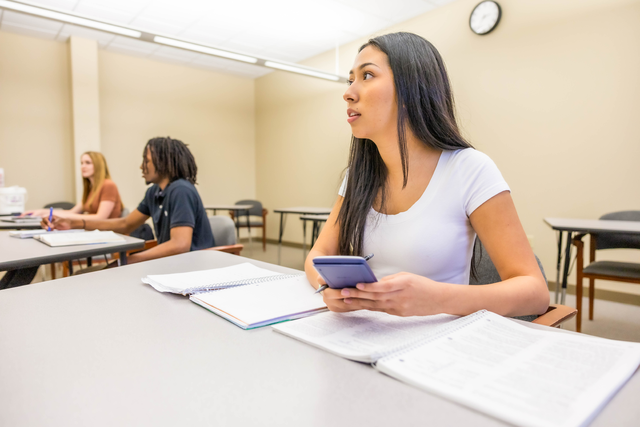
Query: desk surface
point(303, 210)
point(20, 253)
point(594, 225)
point(314, 217)
point(229, 207)
point(17, 226)
point(104, 349)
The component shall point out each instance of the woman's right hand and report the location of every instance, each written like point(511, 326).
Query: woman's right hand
point(57, 223)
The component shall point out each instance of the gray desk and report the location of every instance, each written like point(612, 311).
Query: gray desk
point(20, 253)
point(582, 226)
point(317, 221)
point(19, 226)
point(299, 210)
point(103, 349)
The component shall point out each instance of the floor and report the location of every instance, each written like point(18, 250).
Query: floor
point(611, 319)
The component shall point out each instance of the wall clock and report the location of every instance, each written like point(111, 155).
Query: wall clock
point(485, 17)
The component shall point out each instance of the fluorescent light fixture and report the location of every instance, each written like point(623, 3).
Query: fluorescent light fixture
point(300, 70)
point(204, 49)
point(71, 19)
point(62, 16)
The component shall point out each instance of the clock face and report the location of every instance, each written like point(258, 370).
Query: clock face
point(485, 17)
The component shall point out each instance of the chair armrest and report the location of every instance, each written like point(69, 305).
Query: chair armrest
point(556, 314)
point(231, 249)
point(148, 244)
point(578, 237)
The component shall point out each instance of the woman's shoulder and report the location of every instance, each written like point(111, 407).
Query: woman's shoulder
point(470, 156)
point(109, 187)
point(109, 184)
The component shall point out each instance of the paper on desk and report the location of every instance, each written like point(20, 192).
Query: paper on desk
point(215, 278)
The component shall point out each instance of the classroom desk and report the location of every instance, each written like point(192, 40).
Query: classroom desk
point(104, 349)
point(299, 210)
point(20, 253)
point(571, 226)
point(317, 221)
point(15, 226)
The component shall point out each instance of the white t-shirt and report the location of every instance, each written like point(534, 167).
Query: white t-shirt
point(434, 238)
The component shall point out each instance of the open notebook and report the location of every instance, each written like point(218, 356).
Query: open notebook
point(525, 376)
point(86, 238)
point(244, 294)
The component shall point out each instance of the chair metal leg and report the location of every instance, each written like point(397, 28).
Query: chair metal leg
point(567, 261)
point(559, 259)
point(304, 238)
point(592, 293)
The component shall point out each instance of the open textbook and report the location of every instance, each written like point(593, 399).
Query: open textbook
point(523, 375)
point(85, 238)
point(244, 294)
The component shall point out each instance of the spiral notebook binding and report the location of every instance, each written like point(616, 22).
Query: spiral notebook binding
point(236, 283)
point(446, 329)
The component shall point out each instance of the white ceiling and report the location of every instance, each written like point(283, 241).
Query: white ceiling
point(286, 30)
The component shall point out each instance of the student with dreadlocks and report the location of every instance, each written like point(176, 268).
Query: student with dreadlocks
point(179, 218)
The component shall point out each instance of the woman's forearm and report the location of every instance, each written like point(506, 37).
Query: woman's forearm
point(518, 296)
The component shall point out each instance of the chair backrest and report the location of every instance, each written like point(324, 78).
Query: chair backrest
point(486, 272)
point(619, 240)
point(256, 210)
point(60, 205)
point(223, 229)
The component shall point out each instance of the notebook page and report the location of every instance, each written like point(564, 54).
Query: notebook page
point(522, 375)
point(361, 335)
point(88, 237)
point(179, 282)
point(256, 305)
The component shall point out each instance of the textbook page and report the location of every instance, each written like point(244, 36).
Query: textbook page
point(252, 306)
point(362, 335)
point(179, 283)
point(522, 375)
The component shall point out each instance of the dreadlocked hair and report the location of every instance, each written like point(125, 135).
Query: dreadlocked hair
point(172, 159)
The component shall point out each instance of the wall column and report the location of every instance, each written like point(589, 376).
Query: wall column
point(85, 102)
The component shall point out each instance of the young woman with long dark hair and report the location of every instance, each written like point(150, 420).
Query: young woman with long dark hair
point(416, 194)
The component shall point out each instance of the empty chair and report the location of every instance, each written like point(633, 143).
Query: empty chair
point(486, 273)
point(605, 270)
point(257, 218)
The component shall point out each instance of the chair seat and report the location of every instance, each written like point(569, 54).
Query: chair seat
point(242, 223)
point(626, 270)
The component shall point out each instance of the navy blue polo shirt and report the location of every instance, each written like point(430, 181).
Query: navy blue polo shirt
point(178, 205)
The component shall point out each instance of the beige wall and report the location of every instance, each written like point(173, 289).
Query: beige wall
point(552, 95)
point(139, 99)
point(213, 113)
point(35, 118)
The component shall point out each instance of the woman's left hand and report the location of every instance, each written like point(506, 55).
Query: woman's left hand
point(401, 294)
